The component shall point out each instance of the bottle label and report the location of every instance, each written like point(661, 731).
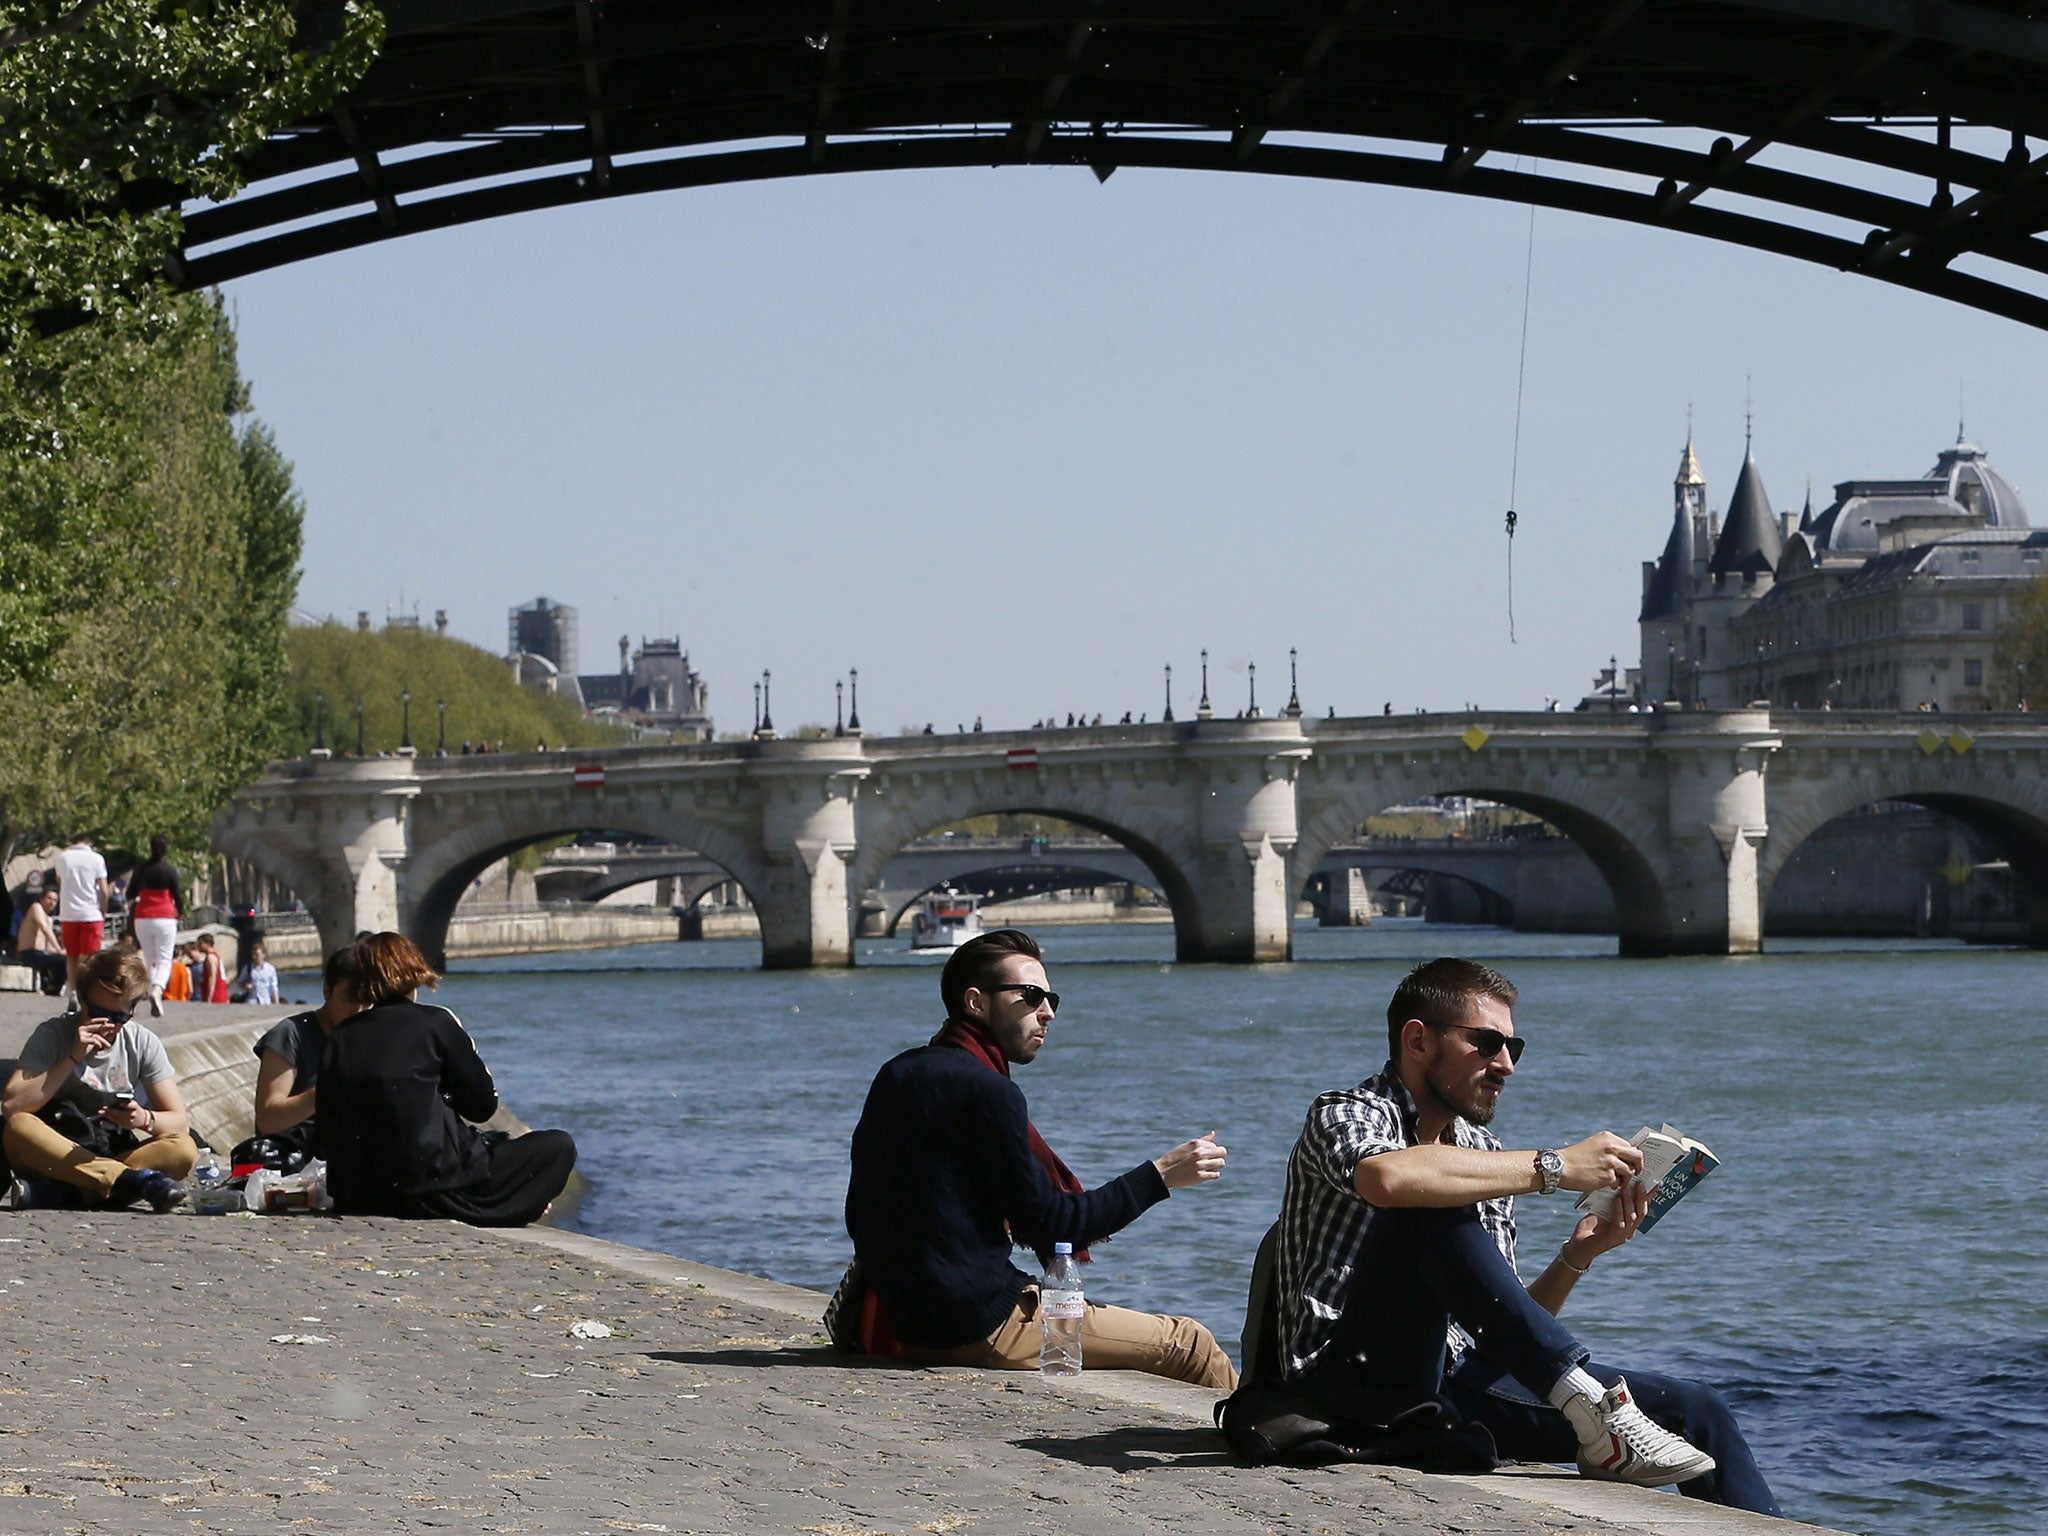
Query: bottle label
point(1062, 1304)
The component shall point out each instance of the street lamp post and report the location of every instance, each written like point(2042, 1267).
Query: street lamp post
point(1293, 686)
point(757, 707)
point(853, 701)
point(767, 731)
point(838, 707)
point(1202, 710)
point(1168, 716)
point(405, 746)
point(441, 746)
point(359, 727)
point(1251, 682)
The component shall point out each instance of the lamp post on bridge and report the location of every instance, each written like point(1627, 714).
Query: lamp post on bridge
point(1168, 716)
point(441, 745)
point(359, 727)
point(853, 701)
point(320, 726)
point(1202, 710)
point(766, 732)
point(405, 746)
point(1293, 710)
point(1251, 682)
point(757, 708)
point(838, 707)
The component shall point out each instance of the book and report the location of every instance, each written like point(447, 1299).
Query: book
point(1673, 1163)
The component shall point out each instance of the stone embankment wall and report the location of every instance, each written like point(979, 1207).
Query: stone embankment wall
point(512, 931)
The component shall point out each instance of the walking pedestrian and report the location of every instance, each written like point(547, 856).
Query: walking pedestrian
point(157, 902)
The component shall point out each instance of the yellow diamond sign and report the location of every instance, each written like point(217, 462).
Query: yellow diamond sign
point(1929, 743)
point(1961, 741)
point(1474, 738)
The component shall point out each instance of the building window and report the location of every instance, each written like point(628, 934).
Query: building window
point(1973, 674)
point(1973, 616)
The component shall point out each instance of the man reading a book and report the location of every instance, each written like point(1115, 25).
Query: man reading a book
point(1397, 1280)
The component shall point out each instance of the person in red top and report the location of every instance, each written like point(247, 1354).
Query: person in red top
point(156, 902)
point(212, 976)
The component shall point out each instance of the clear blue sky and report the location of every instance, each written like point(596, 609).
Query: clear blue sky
point(1007, 441)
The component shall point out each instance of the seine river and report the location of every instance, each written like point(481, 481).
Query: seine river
point(1865, 1276)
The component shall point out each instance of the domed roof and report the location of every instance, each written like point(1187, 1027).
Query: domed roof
point(1964, 466)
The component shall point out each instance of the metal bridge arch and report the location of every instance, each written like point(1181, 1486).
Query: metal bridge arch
point(1882, 137)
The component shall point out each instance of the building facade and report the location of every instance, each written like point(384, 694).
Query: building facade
point(1890, 598)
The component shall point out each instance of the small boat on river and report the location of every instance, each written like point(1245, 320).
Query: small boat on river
point(945, 920)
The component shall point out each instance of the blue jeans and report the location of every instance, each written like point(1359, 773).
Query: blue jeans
point(1421, 1269)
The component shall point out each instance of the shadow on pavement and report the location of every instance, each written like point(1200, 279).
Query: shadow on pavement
point(1138, 1449)
point(813, 1356)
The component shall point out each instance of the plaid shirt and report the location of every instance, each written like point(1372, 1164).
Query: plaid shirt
point(1323, 1220)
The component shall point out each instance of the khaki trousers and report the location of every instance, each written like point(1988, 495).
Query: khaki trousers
point(1112, 1339)
point(35, 1148)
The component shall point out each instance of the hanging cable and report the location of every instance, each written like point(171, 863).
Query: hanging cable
point(1515, 457)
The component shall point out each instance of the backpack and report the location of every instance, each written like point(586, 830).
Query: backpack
point(1265, 1421)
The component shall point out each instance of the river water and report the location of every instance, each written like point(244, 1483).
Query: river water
point(1865, 1275)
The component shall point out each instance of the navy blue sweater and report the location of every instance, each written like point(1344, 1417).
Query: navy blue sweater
point(943, 1177)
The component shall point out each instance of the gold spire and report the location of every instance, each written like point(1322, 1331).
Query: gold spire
point(1689, 466)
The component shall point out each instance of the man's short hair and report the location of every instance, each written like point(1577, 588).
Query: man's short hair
point(122, 972)
point(977, 962)
point(340, 969)
point(1442, 992)
point(389, 968)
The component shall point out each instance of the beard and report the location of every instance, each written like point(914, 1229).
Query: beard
point(1468, 1101)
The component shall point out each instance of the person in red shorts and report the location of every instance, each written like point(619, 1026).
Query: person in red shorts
point(81, 905)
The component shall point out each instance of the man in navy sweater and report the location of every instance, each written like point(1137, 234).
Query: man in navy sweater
point(948, 1173)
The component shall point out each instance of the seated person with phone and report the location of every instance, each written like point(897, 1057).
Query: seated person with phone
point(93, 1112)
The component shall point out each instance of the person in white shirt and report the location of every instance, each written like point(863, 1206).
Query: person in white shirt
point(260, 977)
point(81, 905)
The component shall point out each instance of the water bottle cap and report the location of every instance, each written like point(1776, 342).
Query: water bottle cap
point(1062, 1247)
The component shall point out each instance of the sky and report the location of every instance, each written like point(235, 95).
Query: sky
point(1011, 441)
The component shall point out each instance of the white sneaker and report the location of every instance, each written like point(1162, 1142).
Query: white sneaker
point(1619, 1443)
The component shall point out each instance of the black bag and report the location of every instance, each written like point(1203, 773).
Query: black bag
point(73, 1113)
point(1265, 1421)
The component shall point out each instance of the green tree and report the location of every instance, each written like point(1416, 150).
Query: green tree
point(138, 701)
point(112, 112)
point(2019, 663)
point(333, 668)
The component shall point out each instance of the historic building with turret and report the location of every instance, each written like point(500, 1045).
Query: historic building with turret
point(1890, 598)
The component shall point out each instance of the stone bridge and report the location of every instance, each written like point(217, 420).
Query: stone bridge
point(1688, 816)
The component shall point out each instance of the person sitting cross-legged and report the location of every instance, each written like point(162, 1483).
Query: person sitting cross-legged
point(93, 1112)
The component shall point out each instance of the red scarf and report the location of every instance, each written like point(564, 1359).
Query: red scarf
point(971, 1036)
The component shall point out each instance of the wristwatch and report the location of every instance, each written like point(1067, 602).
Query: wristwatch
point(1550, 1169)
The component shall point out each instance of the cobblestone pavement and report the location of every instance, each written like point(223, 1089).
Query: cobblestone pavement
point(244, 1374)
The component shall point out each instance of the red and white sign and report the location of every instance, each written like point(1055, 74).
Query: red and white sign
point(1023, 757)
point(589, 775)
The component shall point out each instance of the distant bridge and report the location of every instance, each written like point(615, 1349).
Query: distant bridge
point(1689, 817)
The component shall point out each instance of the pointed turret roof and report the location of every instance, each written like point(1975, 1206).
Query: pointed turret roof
point(1689, 466)
point(1806, 514)
point(1665, 596)
point(1750, 541)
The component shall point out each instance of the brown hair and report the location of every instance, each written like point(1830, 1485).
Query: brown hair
point(975, 963)
point(1441, 992)
point(341, 970)
point(120, 971)
point(388, 968)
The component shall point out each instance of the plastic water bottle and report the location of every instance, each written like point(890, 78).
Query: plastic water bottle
point(1060, 1308)
point(210, 1195)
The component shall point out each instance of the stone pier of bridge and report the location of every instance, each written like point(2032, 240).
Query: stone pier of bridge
point(1687, 816)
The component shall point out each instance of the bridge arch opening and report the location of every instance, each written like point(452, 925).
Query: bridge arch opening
point(1917, 864)
point(1493, 854)
point(432, 907)
point(1016, 857)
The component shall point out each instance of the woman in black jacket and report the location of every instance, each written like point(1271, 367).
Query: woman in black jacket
point(399, 1084)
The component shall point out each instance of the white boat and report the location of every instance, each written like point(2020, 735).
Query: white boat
point(945, 920)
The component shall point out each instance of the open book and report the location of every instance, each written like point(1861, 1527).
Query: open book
point(1672, 1164)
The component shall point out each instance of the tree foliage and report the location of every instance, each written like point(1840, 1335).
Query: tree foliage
point(333, 668)
point(113, 112)
point(2019, 664)
point(142, 589)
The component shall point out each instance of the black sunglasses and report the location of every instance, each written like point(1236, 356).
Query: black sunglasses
point(1032, 994)
point(108, 1015)
point(1487, 1042)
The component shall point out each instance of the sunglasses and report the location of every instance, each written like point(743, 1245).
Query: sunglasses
point(108, 1015)
point(1487, 1042)
point(1032, 995)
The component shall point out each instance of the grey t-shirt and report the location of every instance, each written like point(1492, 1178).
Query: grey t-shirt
point(135, 1053)
point(298, 1040)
